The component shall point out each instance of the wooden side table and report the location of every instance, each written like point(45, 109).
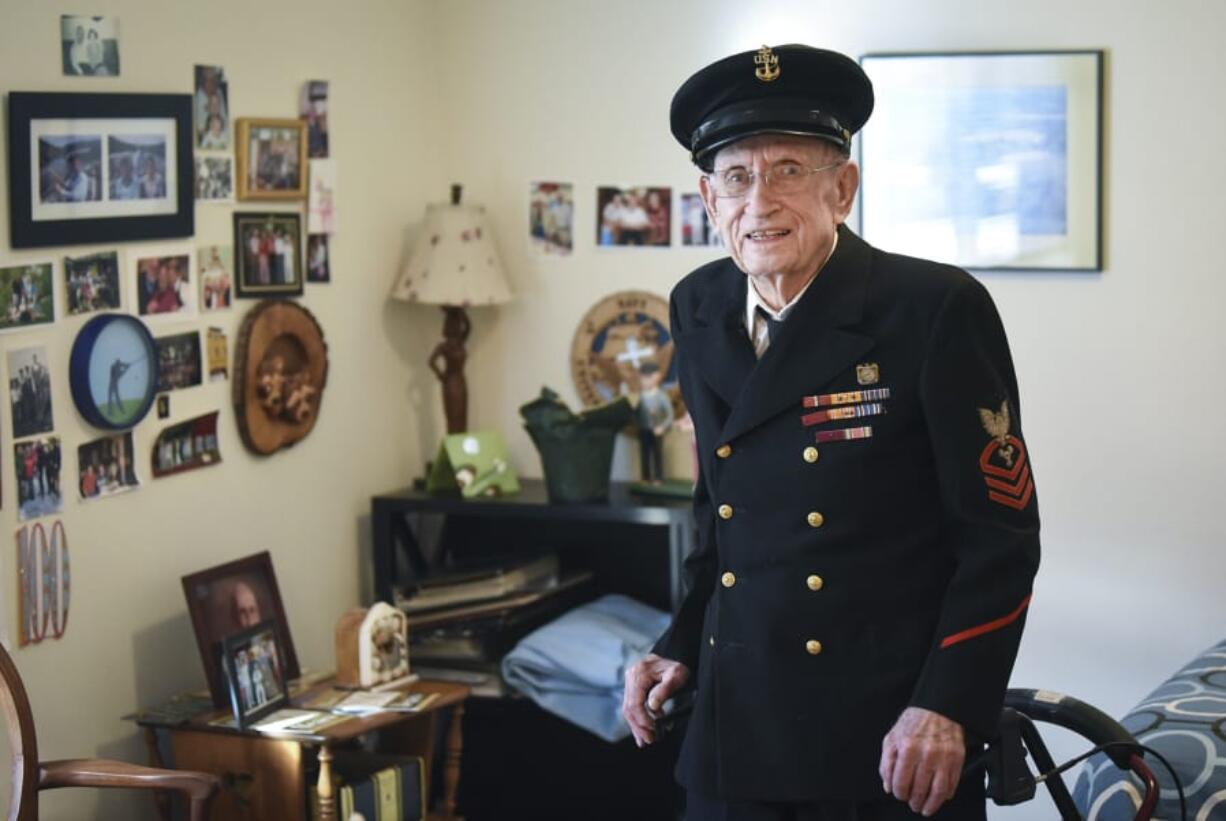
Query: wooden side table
point(264, 776)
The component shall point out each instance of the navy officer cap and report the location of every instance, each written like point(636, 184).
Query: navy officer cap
point(793, 89)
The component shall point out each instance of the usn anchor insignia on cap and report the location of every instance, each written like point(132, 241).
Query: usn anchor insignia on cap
point(1003, 461)
point(867, 373)
point(767, 65)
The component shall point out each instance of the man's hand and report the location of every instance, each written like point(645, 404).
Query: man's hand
point(650, 683)
point(921, 759)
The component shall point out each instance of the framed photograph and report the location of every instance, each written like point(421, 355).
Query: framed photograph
point(186, 446)
point(229, 598)
point(551, 213)
point(106, 466)
point(988, 161)
point(30, 391)
point(37, 464)
point(272, 159)
point(321, 204)
point(99, 168)
point(633, 216)
point(255, 673)
point(178, 361)
point(27, 295)
point(268, 254)
point(313, 109)
point(91, 283)
point(90, 45)
point(211, 108)
point(219, 356)
point(216, 263)
point(163, 281)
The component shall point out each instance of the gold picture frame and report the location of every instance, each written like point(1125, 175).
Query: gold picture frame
point(272, 158)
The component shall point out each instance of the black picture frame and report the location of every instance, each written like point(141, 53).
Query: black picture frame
point(111, 223)
point(267, 685)
point(251, 281)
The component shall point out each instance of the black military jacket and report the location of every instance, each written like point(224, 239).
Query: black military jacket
point(843, 573)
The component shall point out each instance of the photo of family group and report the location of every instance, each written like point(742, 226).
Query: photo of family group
point(92, 283)
point(37, 464)
point(273, 159)
point(107, 466)
point(254, 670)
point(90, 45)
point(178, 361)
point(187, 446)
point(30, 391)
point(633, 216)
point(163, 285)
point(214, 179)
point(268, 260)
point(551, 210)
point(26, 296)
point(210, 108)
point(215, 263)
point(137, 164)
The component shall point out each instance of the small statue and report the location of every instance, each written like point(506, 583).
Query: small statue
point(655, 416)
point(450, 352)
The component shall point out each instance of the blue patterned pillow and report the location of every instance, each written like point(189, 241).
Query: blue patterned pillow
point(1184, 720)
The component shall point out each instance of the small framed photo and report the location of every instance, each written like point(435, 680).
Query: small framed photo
point(268, 254)
point(99, 168)
point(163, 279)
point(106, 466)
point(214, 179)
point(91, 283)
point(37, 464)
point(272, 159)
point(696, 227)
point(229, 598)
point(986, 160)
point(90, 45)
point(216, 262)
point(27, 295)
point(313, 109)
point(317, 259)
point(551, 213)
point(30, 390)
point(211, 109)
point(255, 673)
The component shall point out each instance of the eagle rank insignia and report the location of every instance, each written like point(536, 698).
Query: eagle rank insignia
point(1003, 461)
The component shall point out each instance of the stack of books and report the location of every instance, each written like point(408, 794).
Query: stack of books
point(467, 620)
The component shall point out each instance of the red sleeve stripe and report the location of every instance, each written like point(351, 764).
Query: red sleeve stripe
point(986, 627)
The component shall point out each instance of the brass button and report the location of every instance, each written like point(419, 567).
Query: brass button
point(725, 511)
point(711, 641)
point(728, 579)
point(723, 451)
point(811, 455)
point(814, 519)
point(813, 647)
point(814, 582)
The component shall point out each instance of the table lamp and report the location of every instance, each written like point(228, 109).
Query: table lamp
point(455, 265)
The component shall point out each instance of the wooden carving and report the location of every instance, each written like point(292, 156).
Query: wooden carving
point(280, 370)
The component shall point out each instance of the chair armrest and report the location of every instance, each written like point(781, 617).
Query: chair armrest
point(96, 772)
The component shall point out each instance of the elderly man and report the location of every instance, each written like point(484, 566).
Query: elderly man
point(868, 530)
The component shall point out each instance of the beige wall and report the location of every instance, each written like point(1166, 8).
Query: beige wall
point(1120, 372)
point(129, 641)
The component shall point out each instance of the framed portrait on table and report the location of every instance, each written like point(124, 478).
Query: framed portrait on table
point(988, 161)
point(99, 168)
point(272, 159)
point(227, 599)
point(255, 673)
point(268, 254)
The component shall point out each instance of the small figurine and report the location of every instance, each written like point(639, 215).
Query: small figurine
point(655, 416)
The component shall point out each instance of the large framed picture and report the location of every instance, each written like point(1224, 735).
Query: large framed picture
point(268, 254)
point(272, 159)
point(99, 168)
point(227, 599)
point(255, 673)
point(988, 161)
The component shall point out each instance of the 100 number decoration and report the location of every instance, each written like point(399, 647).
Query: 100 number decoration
point(44, 582)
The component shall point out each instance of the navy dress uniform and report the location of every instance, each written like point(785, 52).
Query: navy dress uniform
point(868, 527)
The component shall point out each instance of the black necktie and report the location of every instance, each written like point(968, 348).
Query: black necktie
point(772, 325)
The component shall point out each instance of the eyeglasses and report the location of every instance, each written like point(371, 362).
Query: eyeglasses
point(785, 177)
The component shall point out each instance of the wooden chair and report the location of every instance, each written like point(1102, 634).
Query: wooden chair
point(30, 775)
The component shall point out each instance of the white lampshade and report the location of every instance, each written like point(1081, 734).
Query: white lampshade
point(454, 261)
